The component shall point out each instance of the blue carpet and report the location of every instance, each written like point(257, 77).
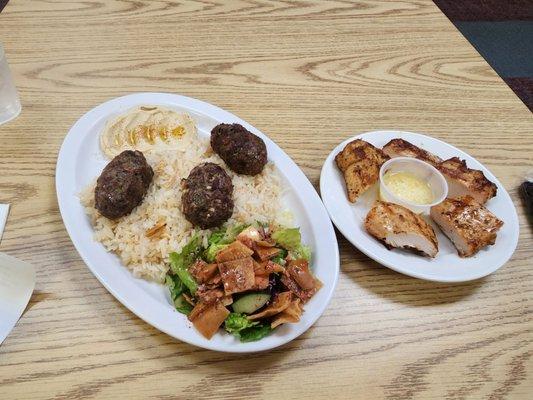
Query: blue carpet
point(502, 32)
point(507, 45)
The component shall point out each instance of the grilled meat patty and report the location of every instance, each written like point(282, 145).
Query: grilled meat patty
point(122, 184)
point(242, 151)
point(207, 196)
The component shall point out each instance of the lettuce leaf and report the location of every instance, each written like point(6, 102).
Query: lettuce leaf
point(232, 232)
point(301, 252)
point(260, 224)
point(280, 258)
point(215, 237)
point(220, 239)
point(244, 329)
point(180, 262)
point(212, 251)
point(175, 286)
point(288, 238)
point(235, 323)
point(255, 333)
point(182, 305)
point(176, 289)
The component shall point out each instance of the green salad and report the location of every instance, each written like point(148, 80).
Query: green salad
point(246, 279)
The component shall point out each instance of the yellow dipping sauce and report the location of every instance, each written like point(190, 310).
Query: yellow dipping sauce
point(409, 187)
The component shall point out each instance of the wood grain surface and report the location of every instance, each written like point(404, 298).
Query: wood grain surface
point(309, 74)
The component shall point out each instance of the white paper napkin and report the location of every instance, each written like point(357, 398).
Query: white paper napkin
point(4, 210)
point(17, 281)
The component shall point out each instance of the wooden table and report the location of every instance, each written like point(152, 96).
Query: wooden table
point(309, 74)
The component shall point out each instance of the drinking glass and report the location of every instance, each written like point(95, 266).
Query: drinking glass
point(9, 100)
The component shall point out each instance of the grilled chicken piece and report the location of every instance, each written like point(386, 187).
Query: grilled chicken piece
point(234, 251)
point(356, 151)
point(237, 275)
point(468, 224)
point(397, 226)
point(403, 148)
point(360, 163)
point(207, 318)
point(464, 181)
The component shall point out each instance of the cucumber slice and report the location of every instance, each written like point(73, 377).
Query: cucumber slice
point(250, 302)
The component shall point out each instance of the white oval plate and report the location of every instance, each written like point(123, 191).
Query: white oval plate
point(80, 162)
point(447, 266)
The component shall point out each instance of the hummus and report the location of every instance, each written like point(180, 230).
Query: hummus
point(145, 127)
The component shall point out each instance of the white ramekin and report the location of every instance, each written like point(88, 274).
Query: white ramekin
point(421, 170)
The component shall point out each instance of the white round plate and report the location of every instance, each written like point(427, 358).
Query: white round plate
point(80, 162)
point(447, 266)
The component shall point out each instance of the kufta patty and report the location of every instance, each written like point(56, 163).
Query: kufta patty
point(122, 184)
point(207, 197)
point(242, 151)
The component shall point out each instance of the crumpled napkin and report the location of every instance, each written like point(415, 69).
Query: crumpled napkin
point(17, 281)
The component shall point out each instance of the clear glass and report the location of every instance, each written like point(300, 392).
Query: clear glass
point(9, 99)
